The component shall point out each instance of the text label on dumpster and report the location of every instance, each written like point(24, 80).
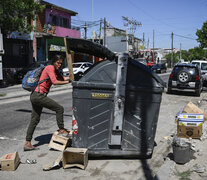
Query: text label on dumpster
point(100, 95)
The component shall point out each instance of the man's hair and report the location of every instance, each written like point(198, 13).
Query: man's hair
point(56, 58)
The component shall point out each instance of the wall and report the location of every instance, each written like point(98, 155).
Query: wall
point(48, 17)
point(40, 22)
point(63, 32)
point(116, 43)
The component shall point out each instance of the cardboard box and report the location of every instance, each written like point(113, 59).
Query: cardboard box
point(10, 162)
point(75, 157)
point(192, 108)
point(59, 142)
point(189, 119)
point(194, 132)
point(189, 125)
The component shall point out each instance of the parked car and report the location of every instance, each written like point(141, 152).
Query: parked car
point(185, 77)
point(78, 69)
point(203, 66)
point(18, 76)
point(159, 68)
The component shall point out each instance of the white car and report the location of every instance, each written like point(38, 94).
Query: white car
point(78, 69)
point(203, 67)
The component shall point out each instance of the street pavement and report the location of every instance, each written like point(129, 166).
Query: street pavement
point(16, 93)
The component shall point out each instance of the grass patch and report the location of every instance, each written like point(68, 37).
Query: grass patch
point(184, 175)
point(2, 94)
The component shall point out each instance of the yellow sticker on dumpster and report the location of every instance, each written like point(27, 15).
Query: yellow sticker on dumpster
point(100, 95)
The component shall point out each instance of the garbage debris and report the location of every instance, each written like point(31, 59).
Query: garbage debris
point(199, 168)
point(192, 108)
point(31, 161)
point(54, 164)
point(182, 150)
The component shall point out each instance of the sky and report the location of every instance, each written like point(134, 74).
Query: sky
point(180, 17)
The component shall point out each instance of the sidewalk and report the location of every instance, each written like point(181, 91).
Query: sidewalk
point(17, 91)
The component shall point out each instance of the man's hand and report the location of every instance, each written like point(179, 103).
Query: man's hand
point(67, 78)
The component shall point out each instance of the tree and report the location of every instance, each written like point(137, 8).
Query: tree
point(185, 55)
point(175, 57)
point(202, 35)
point(197, 53)
point(16, 15)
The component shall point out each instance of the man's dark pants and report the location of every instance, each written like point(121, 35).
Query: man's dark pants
point(38, 102)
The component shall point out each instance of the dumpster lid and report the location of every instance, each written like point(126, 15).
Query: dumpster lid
point(89, 47)
point(154, 75)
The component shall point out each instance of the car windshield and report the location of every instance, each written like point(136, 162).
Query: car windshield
point(197, 63)
point(76, 65)
point(190, 70)
point(158, 65)
point(203, 66)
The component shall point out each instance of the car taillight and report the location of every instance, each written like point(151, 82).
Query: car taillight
point(198, 77)
point(171, 76)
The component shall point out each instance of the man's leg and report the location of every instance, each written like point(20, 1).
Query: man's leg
point(54, 106)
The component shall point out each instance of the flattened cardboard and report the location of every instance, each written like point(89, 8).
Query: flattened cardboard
point(10, 162)
point(192, 108)
point(75, 157)
point(194, 132)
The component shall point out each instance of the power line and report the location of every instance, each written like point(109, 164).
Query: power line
point(185, 37)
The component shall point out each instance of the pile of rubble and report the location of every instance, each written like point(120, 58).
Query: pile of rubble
point(187, 159)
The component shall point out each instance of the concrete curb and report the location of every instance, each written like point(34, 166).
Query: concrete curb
point(17, 91)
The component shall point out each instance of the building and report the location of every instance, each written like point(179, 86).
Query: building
point(52, 25)
point(116, 41)
point(47, 39)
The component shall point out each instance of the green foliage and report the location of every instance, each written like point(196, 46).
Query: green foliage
point(197, 53)
point(202, 35)
point(192, 54)
point(16, 15)
point(2, 94)
point(184, 175)
point(175, 57)
point(185, 55)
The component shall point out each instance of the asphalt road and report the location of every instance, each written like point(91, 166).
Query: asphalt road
point(15, 117)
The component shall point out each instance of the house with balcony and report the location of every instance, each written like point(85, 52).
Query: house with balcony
point(47, 39)
point(51, 26)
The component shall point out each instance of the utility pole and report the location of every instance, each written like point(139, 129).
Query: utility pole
point(133, 45)
point(100, 31)
point(143, 41)
point(172, 56)
point(148, 44)
point(92, 21)
point(180, 52)
point(134, 24)
point(153, 40)
point(104, 31)
point(153, 43)
point(127, 34)
point(85, 29)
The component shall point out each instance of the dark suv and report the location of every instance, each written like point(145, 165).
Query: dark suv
point(185, 77)
point(159, 68)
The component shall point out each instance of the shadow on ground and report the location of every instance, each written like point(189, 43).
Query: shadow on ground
point(30, 111)
point(43, 139)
